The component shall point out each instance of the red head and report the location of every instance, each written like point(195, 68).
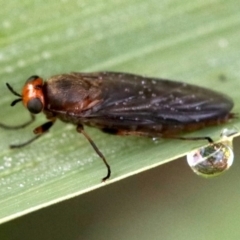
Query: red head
point(32, 95)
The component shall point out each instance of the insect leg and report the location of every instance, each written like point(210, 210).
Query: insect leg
point(39, 131)
point(191, 138)
point(80, 130)
point(19, 126)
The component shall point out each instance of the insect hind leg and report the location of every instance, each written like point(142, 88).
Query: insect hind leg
point(190, 138)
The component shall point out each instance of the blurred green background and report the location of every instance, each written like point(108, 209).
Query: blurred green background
point(195, 41)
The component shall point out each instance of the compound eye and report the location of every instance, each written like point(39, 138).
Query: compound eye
point(35, 105)
point(31, 79)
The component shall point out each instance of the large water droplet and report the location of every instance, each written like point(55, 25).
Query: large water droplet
point(211, 160)
point(214, 159)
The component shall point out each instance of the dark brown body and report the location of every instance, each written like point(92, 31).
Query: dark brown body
point(127, 104)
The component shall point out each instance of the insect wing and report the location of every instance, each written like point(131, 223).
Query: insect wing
point(147, 100)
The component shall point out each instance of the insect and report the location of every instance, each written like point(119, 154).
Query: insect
point(123, 104)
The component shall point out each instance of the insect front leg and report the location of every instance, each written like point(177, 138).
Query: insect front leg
point(39, 131)
point(81, 130)
point(19, 126)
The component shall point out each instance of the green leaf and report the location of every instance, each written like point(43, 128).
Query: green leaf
point(191, 41)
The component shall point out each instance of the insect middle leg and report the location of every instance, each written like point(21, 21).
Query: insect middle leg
point(81, 130)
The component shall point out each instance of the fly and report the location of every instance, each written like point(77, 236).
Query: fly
point(122, 104)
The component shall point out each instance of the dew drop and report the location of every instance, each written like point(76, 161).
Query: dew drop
point(21, 63)
point(223, 43)
point(227, 133)
point(46, 55)
point(154, 82)
point(214, 159)
point(9, 69)
point(2, 56)
point(6, 24)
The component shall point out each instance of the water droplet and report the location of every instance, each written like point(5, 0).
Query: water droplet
point(2, 56)
point(6, 24)
point(211, 160)
point(9, 69)
point(227, 133)
point(214, 159)
point(21, 63)
point(46, 55)
point(154, 82)
point(223, 43)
